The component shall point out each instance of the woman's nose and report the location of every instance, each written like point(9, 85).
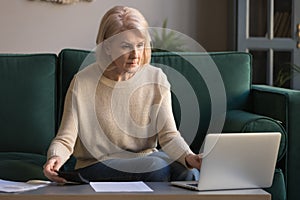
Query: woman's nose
point(134, 53)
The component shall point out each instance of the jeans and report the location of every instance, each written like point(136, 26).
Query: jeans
point(154, 167)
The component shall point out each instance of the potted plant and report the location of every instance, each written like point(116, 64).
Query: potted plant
point(287, 72)
point(164, 39)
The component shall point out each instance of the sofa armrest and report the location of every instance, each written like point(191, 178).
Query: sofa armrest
point(279, 103)
point(243, 121)
point(284, 105)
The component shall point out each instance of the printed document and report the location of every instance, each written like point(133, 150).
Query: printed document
point(14, 186)
point(138, 186)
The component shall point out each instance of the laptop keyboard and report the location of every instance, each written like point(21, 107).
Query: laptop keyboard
point(193, 184)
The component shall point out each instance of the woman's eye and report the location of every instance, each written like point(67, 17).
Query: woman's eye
point(140, 45)
point(126, 46)
point(131, 47)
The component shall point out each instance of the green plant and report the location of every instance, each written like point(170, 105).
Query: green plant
point(286, 73)
point(167, 40)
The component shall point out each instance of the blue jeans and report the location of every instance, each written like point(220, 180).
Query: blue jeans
point(154, 167)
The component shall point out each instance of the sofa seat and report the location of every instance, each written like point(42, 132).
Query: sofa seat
point(22, 166)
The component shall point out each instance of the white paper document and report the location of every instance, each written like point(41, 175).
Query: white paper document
point(138, 186)
point(14, 186)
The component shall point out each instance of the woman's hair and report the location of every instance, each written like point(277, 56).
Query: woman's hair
point(119, 19)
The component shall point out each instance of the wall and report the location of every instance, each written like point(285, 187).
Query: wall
point(36, 26)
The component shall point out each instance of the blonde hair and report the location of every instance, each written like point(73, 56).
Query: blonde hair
point(119, 19)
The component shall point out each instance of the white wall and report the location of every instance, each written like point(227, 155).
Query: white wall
point(36, 26)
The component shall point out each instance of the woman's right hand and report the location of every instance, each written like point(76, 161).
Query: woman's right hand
point(51, 167)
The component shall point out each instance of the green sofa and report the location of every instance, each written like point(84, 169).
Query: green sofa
point(33, 87)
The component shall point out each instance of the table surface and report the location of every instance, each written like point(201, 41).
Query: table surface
point(161, 190)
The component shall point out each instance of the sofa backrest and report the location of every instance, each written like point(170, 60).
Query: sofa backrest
point(28, 102)
point(206, 73)
point(70, 61)
point(234, 69)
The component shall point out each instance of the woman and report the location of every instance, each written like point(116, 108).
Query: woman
point(117, 110)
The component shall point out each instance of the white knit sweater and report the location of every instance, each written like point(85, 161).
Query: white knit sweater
point(105, 119)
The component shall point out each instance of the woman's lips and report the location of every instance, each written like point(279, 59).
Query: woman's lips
point(133, 62)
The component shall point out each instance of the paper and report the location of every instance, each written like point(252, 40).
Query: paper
point(120, 187)
point(14, 186)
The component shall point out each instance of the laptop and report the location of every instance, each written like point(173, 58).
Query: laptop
point(236, 161)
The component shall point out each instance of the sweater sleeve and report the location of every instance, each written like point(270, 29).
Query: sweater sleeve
point(62, 145)
point(169, 137)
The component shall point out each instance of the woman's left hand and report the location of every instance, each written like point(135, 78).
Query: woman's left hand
point(194, 160)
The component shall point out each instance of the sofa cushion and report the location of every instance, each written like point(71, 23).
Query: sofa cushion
point(229, 65)
point(70, 61)
point(201, 70)
point(28, 102)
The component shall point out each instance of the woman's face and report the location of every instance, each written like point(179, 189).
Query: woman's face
point(126, 50)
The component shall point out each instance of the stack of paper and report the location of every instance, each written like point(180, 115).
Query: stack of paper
point(13, 186)
point(138, 186)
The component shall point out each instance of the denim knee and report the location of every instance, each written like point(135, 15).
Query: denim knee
point(181, 173)
point(158, 170)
